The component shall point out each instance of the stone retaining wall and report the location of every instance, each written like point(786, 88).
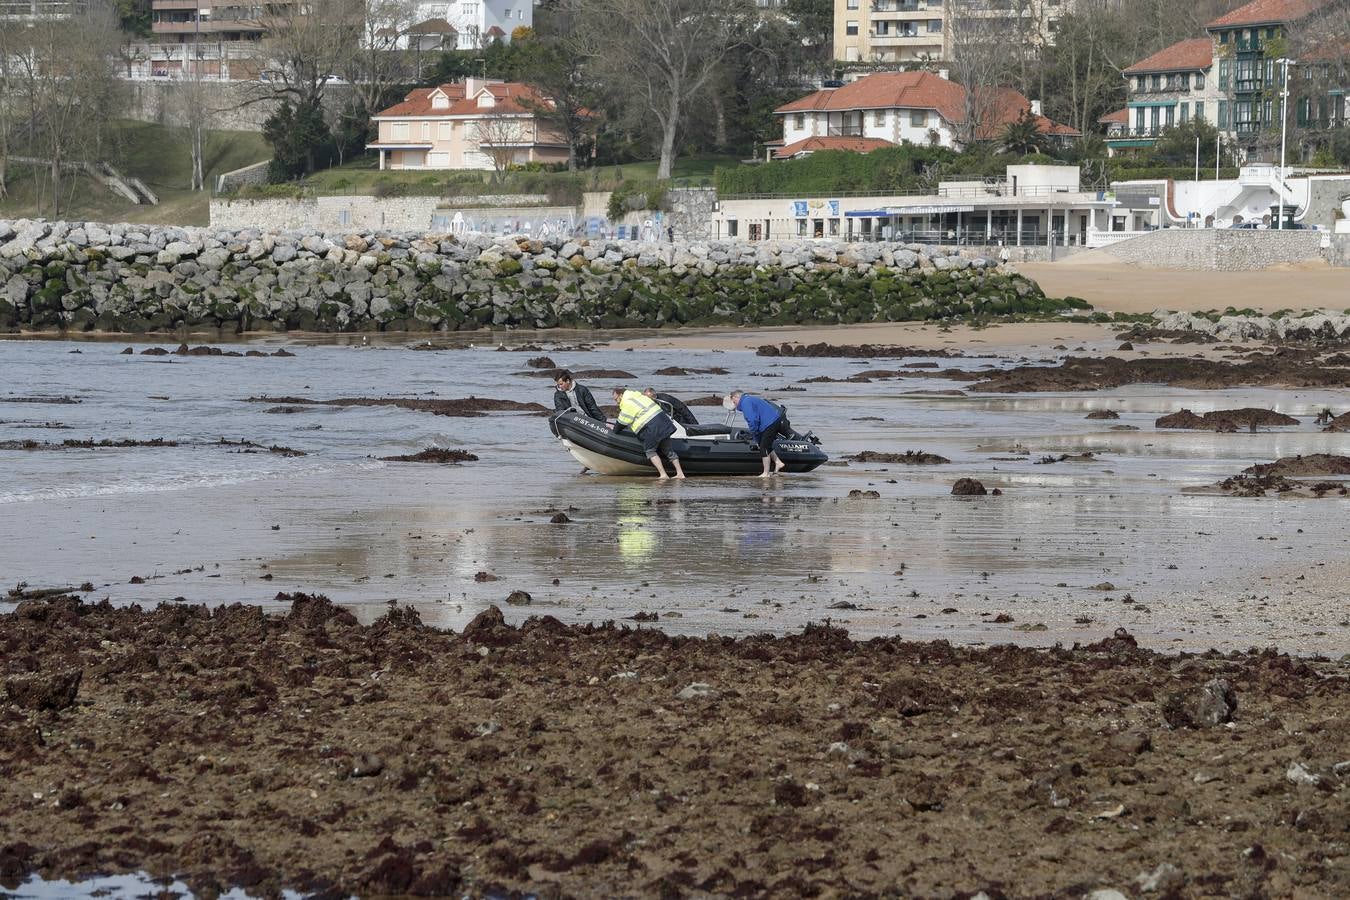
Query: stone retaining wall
point(1217, 249)
point(132, 278)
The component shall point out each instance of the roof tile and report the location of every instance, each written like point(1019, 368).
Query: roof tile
point(1188, 55)
point(1261, 12)
point(813, 144)
point(511, 97)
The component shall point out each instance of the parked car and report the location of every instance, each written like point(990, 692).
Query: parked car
point(1249, 226)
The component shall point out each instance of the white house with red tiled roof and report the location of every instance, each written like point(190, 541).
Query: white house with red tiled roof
point(1169, 88)
point(473, 24)
point(473, 124)
point(896, 108)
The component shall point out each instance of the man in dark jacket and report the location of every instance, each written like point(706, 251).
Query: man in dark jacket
point(673, 406)
point(765, 422)
point(570, 395)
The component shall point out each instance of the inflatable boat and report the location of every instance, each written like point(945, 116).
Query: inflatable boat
point(703, 449)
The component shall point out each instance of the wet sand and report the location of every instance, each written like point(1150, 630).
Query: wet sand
point(310, 752)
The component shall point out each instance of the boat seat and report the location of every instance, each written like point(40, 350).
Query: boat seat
point(707, 430)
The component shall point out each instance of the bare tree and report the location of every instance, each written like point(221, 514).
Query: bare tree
point(376, 63)
point(978, 55)
point(306, 46)
point(664, 52)
point(500, 137)
point(63, 85)
point(191, 110)
point(557, 69)
point(8, 95)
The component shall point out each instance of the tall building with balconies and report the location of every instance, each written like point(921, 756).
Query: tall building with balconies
point(903, 31)
point(191, 21)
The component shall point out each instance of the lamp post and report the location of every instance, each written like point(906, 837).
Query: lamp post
point(1284, 128)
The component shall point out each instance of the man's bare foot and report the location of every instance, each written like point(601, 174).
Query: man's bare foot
point(679, 477)
point(778, 468)
point(662, 477)
point(764, 475)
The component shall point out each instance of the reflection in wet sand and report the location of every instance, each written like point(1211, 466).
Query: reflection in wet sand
point(730, 555)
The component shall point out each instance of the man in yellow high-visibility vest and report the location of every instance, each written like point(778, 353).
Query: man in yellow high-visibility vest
point(645, 418)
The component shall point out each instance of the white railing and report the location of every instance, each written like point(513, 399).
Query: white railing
point(1107, 238)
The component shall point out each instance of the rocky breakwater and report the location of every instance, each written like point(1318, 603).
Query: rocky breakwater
point(129, 278)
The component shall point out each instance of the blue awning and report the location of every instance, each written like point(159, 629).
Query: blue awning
point(867, 214)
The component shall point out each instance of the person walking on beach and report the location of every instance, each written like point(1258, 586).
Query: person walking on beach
point(644, 417)
point(570, 395)
point(766, 423)
point(673, 406)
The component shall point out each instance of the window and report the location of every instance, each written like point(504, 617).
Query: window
point(1267, 110)
point(919, 118)
point(851, 27)
point(879, 117)
point(834, 228)
point(1223, 37)
point(801, 228)
point(1139, 120)
point(1199, 81)
point(801, 121)
point(1157, 82)
point(1170, 117)
point(1185, 113)
point(1199, 110)
point(1223, 74)
point(852, 4)
point(935, 26)
point(426, 131)
point(400, 131)
point(733, 228)
point(1155, 118)
point(440, 101)
point(447, 130)
point(344, 217)
point(1223, 115)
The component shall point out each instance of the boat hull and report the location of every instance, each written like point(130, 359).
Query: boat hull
point(601, 450)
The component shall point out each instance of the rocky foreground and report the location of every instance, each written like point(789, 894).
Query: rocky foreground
point(62, 276)
point(308, 751)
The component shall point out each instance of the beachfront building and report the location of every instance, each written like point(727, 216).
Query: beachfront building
point(1169, 88)
point(899, 107)
point(473, 124)
point(1026, 206)
point(906, 31)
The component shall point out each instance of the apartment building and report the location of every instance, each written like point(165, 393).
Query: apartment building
point(39, 10)
point(1233, 77)
point(1168, 88)
point(889, 108)
point(192, 21)
point(474, 124)
point(902, 31)
point(1247, 43)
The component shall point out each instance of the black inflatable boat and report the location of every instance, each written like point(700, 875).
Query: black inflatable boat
point(703, 449)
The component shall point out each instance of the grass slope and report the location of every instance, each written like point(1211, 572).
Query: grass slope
point(159, 157)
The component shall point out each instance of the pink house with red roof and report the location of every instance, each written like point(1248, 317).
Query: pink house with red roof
point(473, 124)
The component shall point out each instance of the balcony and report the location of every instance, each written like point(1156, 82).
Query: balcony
point(905, 6)
point(905, 40)
point(1248, 85)
point(845, 131)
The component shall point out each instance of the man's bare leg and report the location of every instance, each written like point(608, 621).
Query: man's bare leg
point(661, 470)
point(679, 469)
point(765, 473)
point(778, 464)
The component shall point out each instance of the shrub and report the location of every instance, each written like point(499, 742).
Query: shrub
point(632, 196)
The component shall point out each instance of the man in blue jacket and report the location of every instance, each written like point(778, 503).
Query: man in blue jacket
point(766, 423)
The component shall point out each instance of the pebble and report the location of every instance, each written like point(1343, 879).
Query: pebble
point(695, 690)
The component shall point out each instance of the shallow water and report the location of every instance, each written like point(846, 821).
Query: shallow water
point(112, 887)
point(726, 555)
